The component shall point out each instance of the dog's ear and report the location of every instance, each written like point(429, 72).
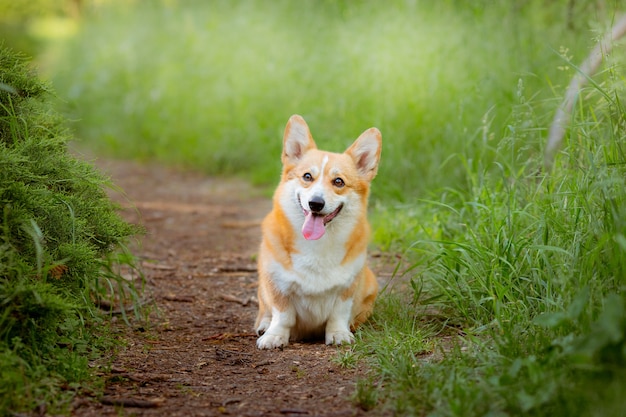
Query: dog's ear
point(297, 140)
point(365, 151)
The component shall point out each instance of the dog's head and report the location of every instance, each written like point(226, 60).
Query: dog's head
point(326, 186)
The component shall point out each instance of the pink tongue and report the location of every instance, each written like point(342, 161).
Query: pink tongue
point(313, 227)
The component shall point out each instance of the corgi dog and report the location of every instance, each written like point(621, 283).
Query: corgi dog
point(313, 278)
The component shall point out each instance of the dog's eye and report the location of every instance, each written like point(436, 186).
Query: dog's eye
point(307, 177)
point(338, 182)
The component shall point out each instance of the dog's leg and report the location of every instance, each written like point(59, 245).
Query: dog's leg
point(263, 321)
point(277, 334)
point(268, 295)
point(338, 325)
point(264, 317)
point(364, 298)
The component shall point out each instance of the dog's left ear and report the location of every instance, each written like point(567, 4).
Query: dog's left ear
point(365, 151)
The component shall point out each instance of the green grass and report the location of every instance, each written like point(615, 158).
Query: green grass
point(530, 268)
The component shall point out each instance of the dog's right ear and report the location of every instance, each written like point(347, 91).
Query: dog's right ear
point(297, 140)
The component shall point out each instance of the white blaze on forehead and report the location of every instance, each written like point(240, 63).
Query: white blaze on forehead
point(324, 162)
point(318, 172)
point(320, 180)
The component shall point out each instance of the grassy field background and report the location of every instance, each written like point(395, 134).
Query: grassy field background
point(519, 274)
point(210, 85)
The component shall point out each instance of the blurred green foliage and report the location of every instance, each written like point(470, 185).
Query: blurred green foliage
point(209, 85)
point(17, 17)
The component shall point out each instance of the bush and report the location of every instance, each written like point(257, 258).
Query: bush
point(58, 232)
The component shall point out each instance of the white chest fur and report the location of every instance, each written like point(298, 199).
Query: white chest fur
point(317, 270)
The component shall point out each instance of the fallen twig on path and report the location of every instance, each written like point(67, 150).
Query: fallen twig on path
point(131, 402)
point(224, 336)
point(179, 298)
point(161, 267)
point(108, 307)
point(227, 297)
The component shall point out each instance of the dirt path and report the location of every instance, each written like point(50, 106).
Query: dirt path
point(198, 356)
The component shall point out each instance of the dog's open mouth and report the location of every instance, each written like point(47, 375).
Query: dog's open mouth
point(314, 225)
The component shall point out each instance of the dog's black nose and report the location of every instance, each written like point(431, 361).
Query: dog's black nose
point(316, 204)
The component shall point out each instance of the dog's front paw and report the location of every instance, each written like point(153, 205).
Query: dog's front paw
point(263, 326)
point(272, 341)
point(339, 338)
